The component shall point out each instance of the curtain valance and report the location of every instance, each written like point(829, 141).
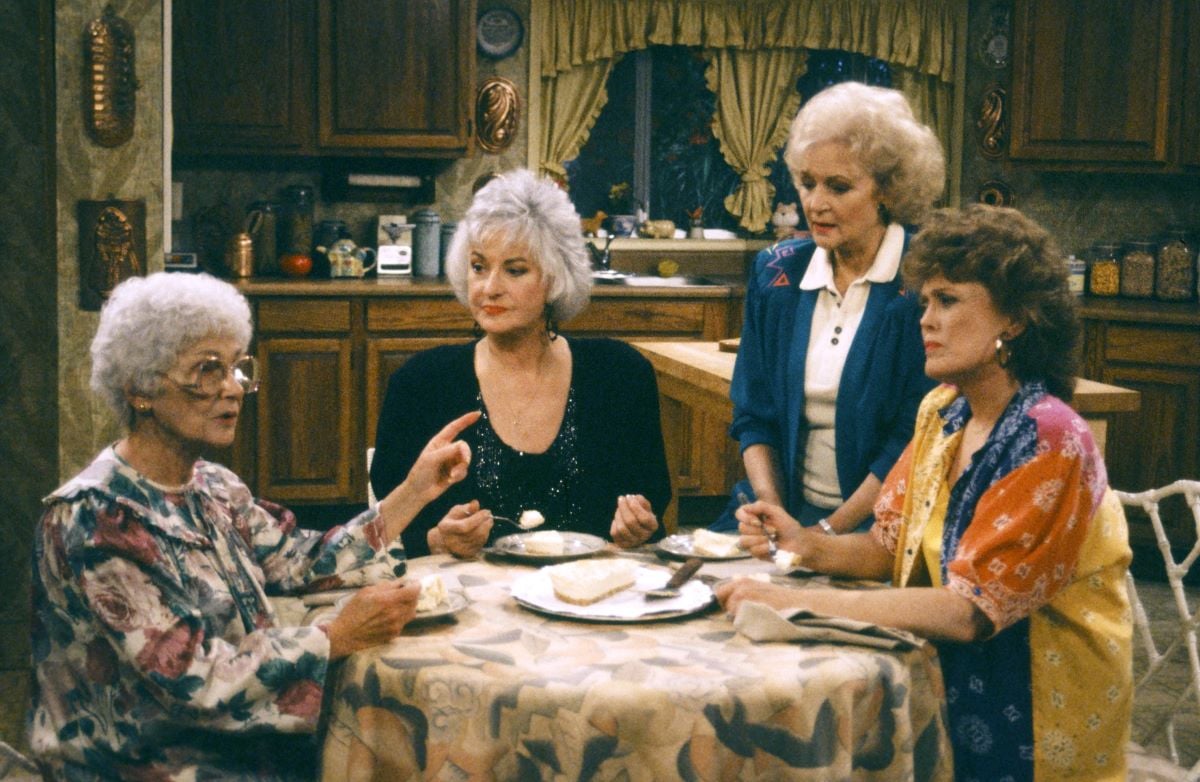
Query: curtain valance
point(916, 34)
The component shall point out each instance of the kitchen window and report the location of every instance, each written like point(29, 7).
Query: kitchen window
point(652, 145)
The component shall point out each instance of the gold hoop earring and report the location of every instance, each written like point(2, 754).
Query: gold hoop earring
point(1003, 353)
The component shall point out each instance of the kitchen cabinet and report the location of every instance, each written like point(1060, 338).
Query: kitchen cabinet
point(328, 347)
point(1103, 85)
point(1153, 348)
point(324, 77)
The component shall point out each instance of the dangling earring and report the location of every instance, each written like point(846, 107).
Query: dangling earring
point(476, 332)
point(551, 325)
point(884, 215)
point(1003, 353)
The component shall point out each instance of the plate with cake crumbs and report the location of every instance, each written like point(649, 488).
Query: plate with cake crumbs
point(702, 543)
point(547, 546)
point(607, 589)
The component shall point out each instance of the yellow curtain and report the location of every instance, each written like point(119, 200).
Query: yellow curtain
point(917, 37)
point(756, 100)
point(571, 102)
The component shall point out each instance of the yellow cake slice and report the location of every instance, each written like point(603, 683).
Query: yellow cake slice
point(433, 593)
point(714, 544)
point(588, 581)
point(545, 543)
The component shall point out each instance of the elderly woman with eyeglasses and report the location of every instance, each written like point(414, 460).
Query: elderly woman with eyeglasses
point(157, 652)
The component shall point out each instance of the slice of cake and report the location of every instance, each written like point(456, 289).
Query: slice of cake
point(433, 593)
point(715, 544)
point(547, 543)
point(588, 581)
point(530, 519)
point(786, 561)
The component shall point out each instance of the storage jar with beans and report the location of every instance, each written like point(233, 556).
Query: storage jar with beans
point(1176, 280)
point(1137, 269)
point(1104, 270)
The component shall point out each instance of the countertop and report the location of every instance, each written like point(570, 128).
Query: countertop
point(425, 287)
point(1185, 313)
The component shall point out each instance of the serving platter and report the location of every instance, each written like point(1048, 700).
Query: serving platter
point(680, 547)
point(535, 592)
point(576, 545)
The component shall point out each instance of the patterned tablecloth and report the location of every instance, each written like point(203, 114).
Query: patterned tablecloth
point(500, 692)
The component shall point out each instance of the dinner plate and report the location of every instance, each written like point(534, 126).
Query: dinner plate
point(576, 545)
point(326, 610)
point(535, 592)
point(680, 547)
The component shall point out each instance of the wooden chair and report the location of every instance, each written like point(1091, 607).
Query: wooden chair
point(1179, 700)
point(371, 501)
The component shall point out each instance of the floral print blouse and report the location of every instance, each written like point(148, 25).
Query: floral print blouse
point(157, 652)
point(1031, 534)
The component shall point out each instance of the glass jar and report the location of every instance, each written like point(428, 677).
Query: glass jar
point(1104, 270)
point(1076, 275)
point(298, 219)
point(1137, 269)
point(263, 220)
point(1176, 280)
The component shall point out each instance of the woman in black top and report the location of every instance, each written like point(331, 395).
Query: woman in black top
point(570, 428)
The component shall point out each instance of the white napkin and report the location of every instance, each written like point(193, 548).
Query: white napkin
point(760, 622)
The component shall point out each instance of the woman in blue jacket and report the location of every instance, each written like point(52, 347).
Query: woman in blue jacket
point(831, 367)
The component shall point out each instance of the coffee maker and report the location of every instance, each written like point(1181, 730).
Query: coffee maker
point(394, 236)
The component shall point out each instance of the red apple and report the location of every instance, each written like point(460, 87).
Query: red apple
point(296, 264)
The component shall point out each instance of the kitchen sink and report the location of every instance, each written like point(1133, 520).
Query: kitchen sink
point(652, 281)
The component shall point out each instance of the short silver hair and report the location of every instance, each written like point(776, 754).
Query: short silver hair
point(148, 322)
point(536, 214)
point(903, 155)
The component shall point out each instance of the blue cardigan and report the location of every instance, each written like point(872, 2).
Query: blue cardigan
point(881, 387)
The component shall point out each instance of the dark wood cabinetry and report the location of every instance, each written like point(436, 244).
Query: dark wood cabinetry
point(328, 348)
point(1153, 349)
point(1105, 83)
point(325, 77)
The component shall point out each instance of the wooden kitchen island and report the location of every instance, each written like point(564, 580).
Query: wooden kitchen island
point(693, 387)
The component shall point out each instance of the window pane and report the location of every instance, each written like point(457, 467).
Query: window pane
point(687, 169)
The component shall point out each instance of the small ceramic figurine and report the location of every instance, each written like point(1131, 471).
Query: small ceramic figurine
point(591, 225)
point(785, 220)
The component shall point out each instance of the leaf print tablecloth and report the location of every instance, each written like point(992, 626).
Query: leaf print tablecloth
point(506, 694)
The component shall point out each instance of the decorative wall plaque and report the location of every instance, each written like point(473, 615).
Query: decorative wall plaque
point(992, 125)
point(497, 113)
point(112, 247)
point(110, 84)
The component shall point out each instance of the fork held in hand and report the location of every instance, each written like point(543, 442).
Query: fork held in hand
point(771, 534)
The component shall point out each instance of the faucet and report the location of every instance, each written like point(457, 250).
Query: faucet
point(601, 259)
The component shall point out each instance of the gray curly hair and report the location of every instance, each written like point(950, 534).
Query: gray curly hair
point(534, 213)
point(149, 321)
point(904, 156)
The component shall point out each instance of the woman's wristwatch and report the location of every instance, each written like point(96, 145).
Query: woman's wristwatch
point(825, 525)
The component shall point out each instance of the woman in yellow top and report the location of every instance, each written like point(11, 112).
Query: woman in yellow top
point(997, 525)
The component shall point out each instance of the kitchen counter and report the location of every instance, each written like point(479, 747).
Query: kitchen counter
point(371, 287)
point(1140, 311)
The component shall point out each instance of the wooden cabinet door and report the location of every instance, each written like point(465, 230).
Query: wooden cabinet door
point(396, 75)
point(384, 356)
point(1189, 126)
point(1091, 80)
point(307, 408)
point(242, 76)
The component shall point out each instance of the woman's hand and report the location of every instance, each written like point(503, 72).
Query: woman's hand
point(463, 531)
point(758, 519)
point(634, 522)
point(442, 462)
point(375, 615)
point(731, 593)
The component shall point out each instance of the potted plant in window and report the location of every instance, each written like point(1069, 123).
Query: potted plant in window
point(624, 207)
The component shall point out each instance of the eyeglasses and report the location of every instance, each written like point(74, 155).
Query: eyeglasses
point(208, 377)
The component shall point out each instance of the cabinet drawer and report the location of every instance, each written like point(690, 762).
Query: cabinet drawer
point(303, 315)
point(640, 317)
point(1148, 345)
point(416, 315)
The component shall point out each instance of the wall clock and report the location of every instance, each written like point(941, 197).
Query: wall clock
point(499, 32)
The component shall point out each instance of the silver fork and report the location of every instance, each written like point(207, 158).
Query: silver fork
point(513, 522)
point(771, 534)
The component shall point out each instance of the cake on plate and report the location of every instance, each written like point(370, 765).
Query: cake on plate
point(547, 543)
point(786, 561)
point(715, 544)
point(588, 581)
point(433, 594)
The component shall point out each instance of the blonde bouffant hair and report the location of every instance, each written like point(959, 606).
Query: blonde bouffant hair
point(877, 124)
